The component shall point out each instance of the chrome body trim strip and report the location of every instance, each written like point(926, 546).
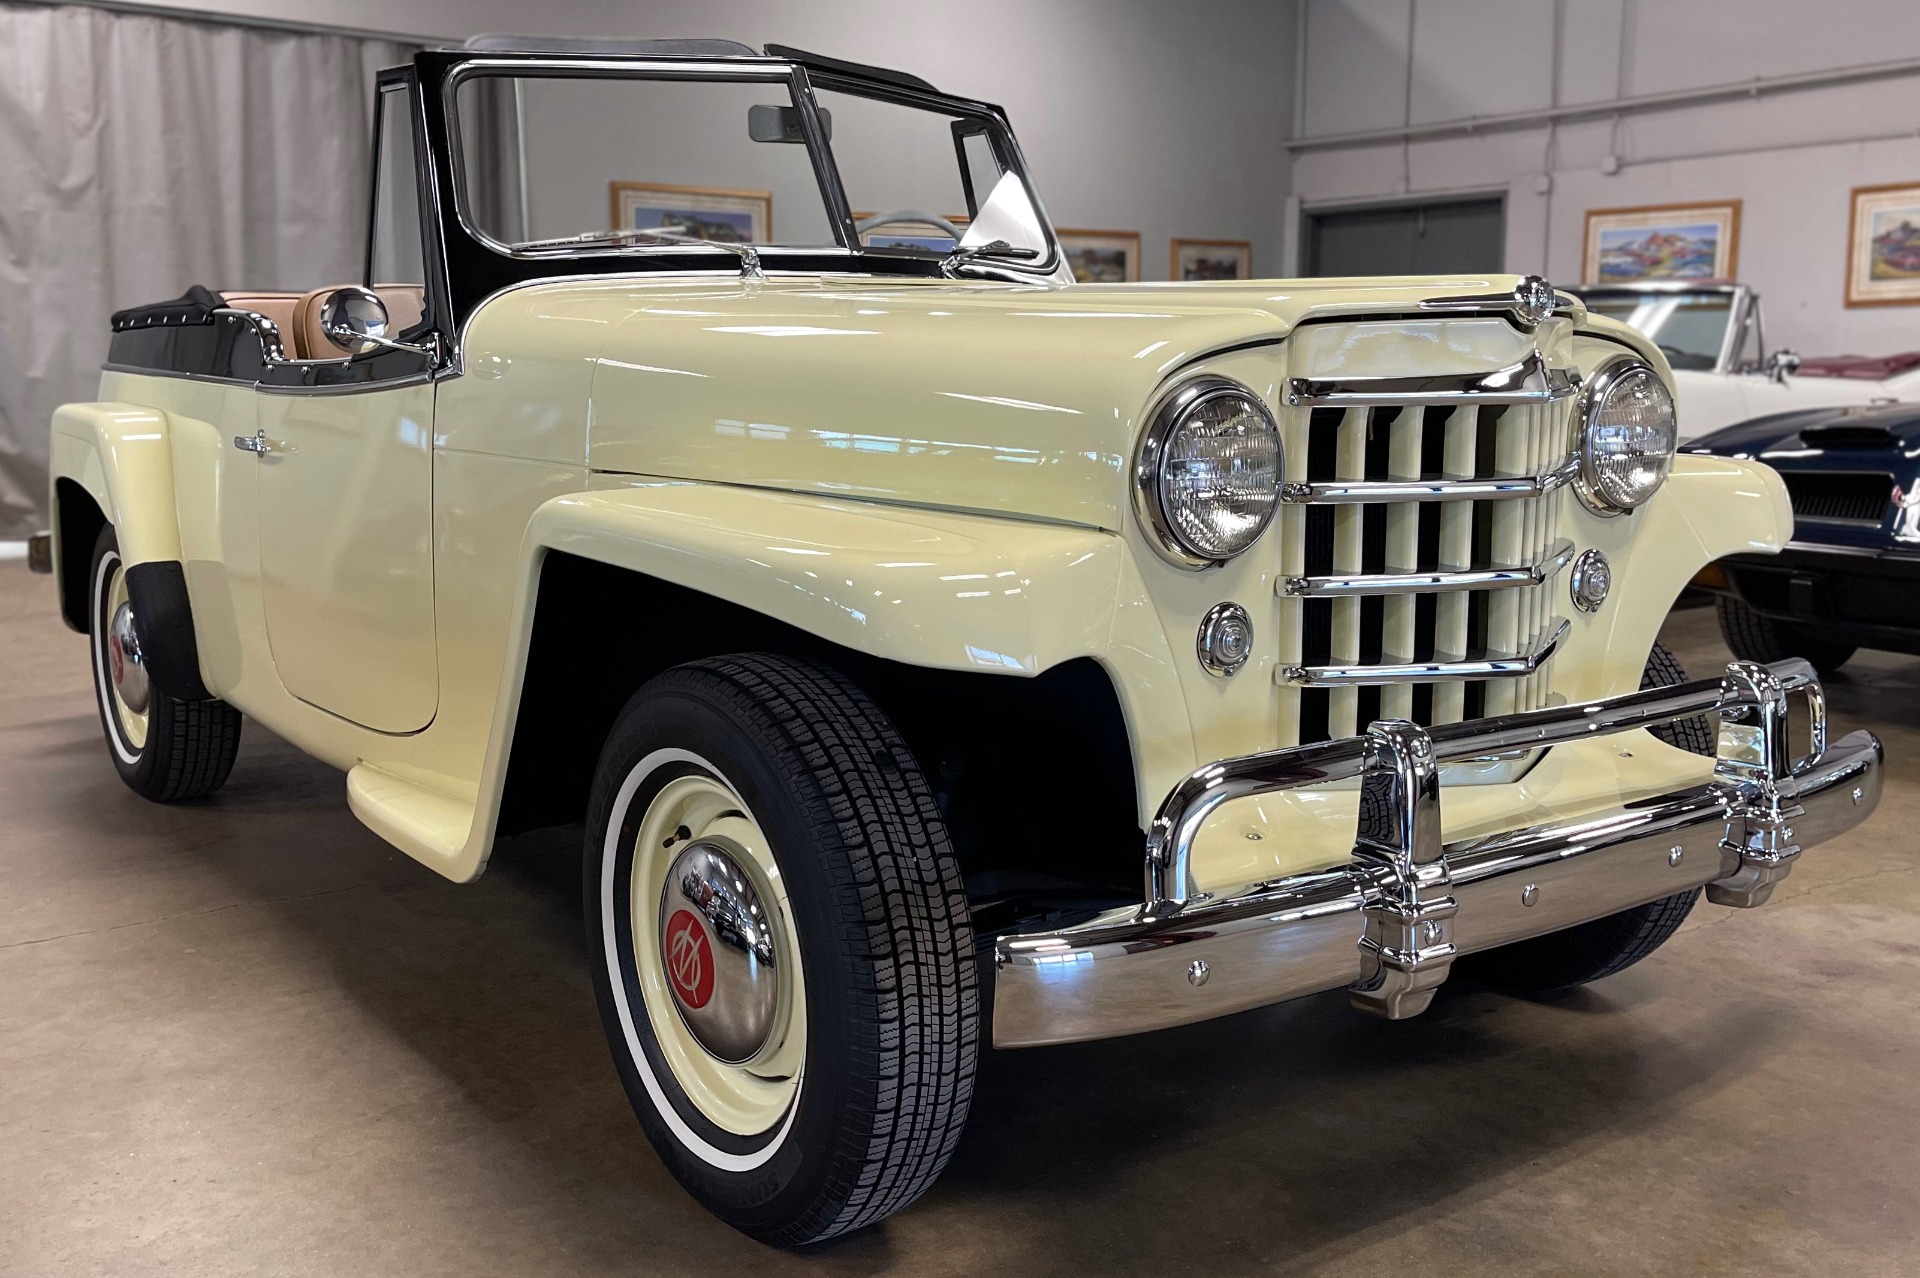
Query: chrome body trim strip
point(141, 370)
point(1540, 571)
point(1513, 667)
point(1356, 492)
point(1531, 381)
point(1388, 924)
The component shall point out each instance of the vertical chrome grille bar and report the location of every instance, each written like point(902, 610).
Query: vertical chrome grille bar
point(1403, 550)
point(1456, 551)
point(1348, 523)
point(1511, 449)
point(1293, 562)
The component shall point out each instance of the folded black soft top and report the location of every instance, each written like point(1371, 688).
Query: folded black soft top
point(196, 306)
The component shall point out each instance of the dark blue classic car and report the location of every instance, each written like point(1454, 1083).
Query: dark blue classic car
point(1850, 578)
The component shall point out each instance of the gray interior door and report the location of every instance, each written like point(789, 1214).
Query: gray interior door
point(1442, 238)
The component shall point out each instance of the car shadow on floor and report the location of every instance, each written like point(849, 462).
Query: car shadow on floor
point(1277, 1134)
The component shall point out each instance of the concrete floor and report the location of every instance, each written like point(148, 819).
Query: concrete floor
point(245, 1037)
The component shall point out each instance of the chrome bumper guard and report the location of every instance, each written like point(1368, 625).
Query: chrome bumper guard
point(1388, 924)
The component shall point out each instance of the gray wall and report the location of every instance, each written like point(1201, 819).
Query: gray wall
point(1134, 115)
point(1791, 159)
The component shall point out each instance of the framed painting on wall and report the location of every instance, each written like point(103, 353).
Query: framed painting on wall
point(1211, 260)
point(1101, 257)
point(712, 213)
point(1662, 242)
point(1883, 248)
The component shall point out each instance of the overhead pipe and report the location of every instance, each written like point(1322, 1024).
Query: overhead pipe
point(1669, 101)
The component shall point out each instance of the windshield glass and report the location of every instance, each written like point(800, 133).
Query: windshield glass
point(1690, 328)
point(549, 158)
point(918, 179)
point(557, 164)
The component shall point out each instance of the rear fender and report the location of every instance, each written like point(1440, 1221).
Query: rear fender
point(120, 454)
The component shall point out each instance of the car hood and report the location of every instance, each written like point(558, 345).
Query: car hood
point(957, 394)
point(1811, 436)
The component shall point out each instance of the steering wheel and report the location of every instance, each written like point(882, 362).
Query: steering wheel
point(1673, 352)
point(907, 215)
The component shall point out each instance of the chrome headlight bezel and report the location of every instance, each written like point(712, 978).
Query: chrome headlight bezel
point(1588, 483)
point(1172, 412)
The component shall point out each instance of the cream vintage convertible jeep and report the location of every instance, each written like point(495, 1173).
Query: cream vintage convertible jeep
point(905, 623)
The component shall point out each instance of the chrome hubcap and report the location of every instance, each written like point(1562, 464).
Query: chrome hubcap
point(127, 666)
point(717, 948)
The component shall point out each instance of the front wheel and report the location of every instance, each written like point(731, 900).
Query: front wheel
point(782, 949)
point(1576, 956)
point(1752, 636)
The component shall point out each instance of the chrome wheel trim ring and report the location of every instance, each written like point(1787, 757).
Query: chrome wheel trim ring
point(126, 728)
point(745, 1096)
point(127, 664)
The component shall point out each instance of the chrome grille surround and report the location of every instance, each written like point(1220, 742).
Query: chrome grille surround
point(1421, 546)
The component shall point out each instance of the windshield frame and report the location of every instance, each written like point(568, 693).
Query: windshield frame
point(848, 254)
point(1740, 308)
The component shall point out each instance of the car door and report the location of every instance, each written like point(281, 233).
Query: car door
point(346, 481)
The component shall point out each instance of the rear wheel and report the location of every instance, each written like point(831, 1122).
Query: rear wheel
point(782, 947)
point(1567, 959)
point(1753, 637)
point(164, 748)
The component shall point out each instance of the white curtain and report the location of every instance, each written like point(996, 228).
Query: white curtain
point(140, 155)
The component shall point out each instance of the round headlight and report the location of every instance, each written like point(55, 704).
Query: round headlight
point(1209, 472)
point(1627, 436)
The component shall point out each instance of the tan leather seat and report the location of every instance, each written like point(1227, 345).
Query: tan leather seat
point(405, 304)
point(278, 307)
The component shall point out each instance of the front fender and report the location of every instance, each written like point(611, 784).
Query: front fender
point(1711, 507)
point(923, 587)
point(927, 588)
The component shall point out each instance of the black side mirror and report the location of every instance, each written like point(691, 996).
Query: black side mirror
point(768, 123)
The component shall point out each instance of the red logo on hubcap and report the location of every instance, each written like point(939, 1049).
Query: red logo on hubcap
point(688, 957)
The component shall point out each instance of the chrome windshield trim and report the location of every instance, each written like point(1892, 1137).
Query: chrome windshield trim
point(1421, 583)
point(1531, 381)
point(1345, 492)
point(801, 85)
point(1511, 667)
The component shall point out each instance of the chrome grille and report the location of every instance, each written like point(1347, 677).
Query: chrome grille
point(1420, 549)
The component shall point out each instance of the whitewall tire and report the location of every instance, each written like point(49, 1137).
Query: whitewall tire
point(781, 946)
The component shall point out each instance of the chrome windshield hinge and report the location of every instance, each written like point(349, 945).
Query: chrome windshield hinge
point(1407, 947)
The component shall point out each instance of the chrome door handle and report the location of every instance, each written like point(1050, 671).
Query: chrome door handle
point(254, 443)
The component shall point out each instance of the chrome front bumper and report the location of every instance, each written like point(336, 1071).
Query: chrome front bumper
point(1388, 924)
